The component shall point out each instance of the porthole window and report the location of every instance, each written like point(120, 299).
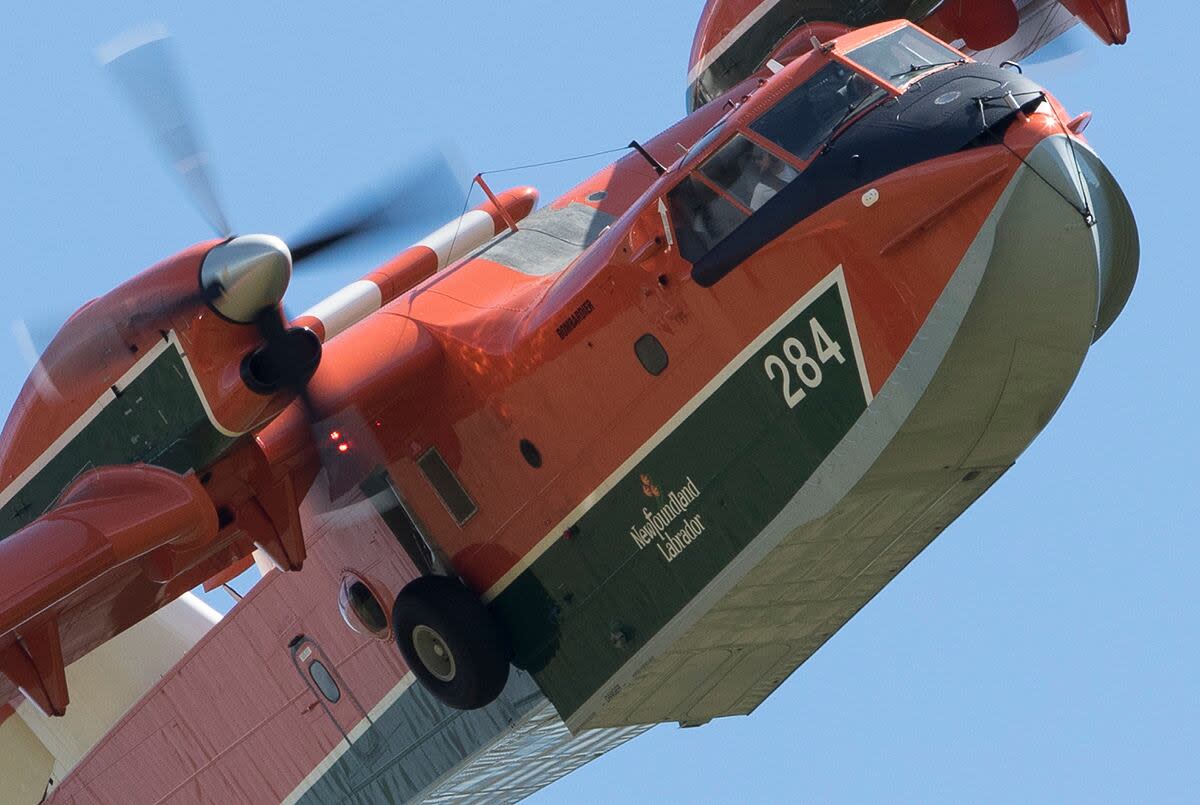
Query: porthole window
point(532, 455)
point(651, 353)
point(361, 608)
point(324, 681)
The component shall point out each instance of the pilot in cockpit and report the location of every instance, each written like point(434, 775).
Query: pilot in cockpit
point(764, 175)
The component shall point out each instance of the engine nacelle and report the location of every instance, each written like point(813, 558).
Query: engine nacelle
point(149, 372)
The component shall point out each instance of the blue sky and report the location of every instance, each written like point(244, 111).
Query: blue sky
point(1043, 649)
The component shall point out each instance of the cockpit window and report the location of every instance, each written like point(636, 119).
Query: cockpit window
point(741, 177)
point(903, 54)
point(750, 174)
point(810, 114)
point(702, 217)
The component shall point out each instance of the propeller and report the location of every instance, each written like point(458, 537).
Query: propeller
point(1066, 54)
point(37, 372)
point(245, 277)
point(141, 63)
point(424, 193)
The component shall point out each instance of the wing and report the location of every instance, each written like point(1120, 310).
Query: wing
point(280, 701)
point(72, 573)
point(734, 38)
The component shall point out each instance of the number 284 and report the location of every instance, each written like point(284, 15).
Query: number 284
point(802, 370)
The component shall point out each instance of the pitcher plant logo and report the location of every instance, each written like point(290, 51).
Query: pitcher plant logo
point(669, 526)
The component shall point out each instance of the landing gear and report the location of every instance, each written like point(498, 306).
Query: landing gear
point(450, 641)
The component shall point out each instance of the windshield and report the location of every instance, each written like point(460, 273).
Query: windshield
point(903, 54)
point(809, 115)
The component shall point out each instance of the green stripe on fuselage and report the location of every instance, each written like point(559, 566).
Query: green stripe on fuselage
point(157, 419)
point(668, 527)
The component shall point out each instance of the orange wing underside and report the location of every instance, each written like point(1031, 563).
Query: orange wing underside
point(734, 38)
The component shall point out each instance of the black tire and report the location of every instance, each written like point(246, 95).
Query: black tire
point(450, 641)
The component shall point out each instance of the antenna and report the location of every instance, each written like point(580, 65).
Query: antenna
point(654, 163)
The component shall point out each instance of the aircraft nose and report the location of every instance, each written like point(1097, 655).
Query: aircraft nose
point(1087, 219)
point(244, 275)
point(1117, 239)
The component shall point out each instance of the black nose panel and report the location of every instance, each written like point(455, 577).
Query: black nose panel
point(944, 113)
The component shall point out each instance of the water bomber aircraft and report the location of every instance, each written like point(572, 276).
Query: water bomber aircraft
point(551, 474)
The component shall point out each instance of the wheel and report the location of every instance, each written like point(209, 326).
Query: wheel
point(450, 641)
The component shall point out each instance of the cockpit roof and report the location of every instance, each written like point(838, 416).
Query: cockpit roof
point(891, 55)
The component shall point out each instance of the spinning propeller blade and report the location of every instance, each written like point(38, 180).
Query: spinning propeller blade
point(244, 278)
point(421, 195)
point(142, 64)
point(424, 193)
point(1066, 54)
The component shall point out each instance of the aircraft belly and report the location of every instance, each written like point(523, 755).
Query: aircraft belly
point(752, 529)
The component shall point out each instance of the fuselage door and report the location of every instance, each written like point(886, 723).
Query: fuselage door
point(334, 696)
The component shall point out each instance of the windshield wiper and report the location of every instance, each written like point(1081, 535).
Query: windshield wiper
point(920, 68)
point(864, 103)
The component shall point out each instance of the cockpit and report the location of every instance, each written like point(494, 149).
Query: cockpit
point(761, 157)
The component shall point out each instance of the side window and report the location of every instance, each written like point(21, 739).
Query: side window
point(750, 174)
point(702, 217)
point(741, 177)
point(324, 681)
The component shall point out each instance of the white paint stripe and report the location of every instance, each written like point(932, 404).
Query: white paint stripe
point(727, 41)
point(56, 447)
point(858, 353)
point(347, 306)
point(360, 728)
point(465, 234)
point(103, 402)
point(834, 277)
point(208, 411)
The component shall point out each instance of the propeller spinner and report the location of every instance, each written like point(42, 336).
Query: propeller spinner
point(246, 275)
point(244, 279)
